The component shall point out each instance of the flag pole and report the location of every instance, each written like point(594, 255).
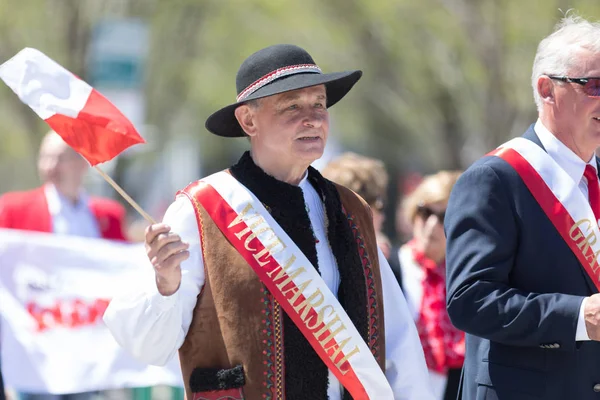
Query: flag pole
point(118, 188)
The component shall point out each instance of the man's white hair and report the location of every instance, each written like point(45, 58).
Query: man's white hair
point(557, 54)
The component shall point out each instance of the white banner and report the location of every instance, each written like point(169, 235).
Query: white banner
point(53, 292)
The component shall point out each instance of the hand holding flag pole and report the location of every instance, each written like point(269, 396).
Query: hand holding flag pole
point(85, 119)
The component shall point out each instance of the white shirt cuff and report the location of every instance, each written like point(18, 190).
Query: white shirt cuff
point(160, 303)
point(581, 333)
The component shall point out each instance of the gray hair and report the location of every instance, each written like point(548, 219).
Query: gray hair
point(557, 53)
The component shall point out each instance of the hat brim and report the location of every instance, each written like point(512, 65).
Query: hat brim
point(337, 84)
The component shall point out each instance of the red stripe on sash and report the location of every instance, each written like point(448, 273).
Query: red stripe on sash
point(557, 213)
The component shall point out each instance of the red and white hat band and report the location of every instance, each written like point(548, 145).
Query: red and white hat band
point(278, 73)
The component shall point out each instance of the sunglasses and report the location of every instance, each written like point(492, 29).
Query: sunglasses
point(591, 86)
point(425, 212)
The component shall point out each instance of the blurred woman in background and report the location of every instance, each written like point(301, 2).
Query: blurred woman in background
point(421, 270)
point(368, 178)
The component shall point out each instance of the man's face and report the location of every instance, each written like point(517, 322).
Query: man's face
point(293, 126)
point(60, 164)
point(577, 113)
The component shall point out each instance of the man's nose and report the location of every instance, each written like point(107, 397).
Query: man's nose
point(313, 119)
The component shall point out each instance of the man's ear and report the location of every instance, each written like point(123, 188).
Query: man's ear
point(246, 118)
point(545, 88)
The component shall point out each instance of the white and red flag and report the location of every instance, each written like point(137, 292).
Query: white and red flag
point(85, 119)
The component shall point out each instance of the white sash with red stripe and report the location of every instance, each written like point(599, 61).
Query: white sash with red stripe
point(295, 283)
point(560, 198)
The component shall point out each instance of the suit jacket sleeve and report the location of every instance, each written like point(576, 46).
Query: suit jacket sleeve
point(116, 228)
point(482, 242)
point(110, 215)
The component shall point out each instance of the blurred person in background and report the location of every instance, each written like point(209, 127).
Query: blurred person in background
point(368, 178)
point(420, 267)
point(61, 206)
point(523, 238)
point(209, 298)
point(403, 228)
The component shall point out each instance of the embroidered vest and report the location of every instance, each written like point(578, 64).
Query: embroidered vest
point(240, 343)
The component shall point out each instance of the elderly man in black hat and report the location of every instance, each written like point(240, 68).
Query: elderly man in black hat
point(266, 276)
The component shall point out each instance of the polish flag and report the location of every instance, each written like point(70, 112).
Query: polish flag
point(85, 119)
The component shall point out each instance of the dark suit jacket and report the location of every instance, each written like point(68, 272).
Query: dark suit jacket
point(29, 211)
point(516, 288)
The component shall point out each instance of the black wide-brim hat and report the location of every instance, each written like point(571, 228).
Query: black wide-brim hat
point(277, 69)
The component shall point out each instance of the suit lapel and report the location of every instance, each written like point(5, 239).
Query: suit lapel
point(531, 135)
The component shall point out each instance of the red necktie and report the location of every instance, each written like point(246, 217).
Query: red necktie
point(593, 189)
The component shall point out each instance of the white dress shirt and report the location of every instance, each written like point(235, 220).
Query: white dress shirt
point(574, 167)
point(70, 218)
point(153, 327)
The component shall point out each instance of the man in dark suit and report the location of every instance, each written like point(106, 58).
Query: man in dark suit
point(522, 239)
